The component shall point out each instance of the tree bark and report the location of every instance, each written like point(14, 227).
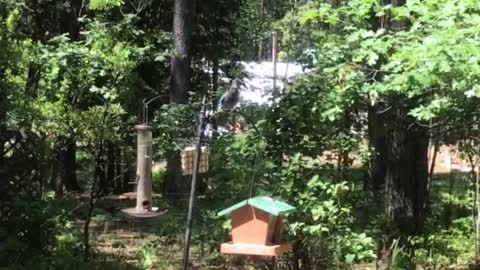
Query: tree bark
point(406, 176)
point(68, 153)
point(58, 176)
point(215, 70)
point(3, 174)
point(176, 185)
point(376, 128)
point(180, 84)
point(183, 30)
point(64, 169)
point(118, 171)
point(70, 166)
point(127, 174)
point(376, 139)
point(111, 165)
point(400, 158)
point(100, 173)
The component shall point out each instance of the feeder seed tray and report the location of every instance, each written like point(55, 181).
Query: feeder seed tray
point(258, 250)
point(144, 214)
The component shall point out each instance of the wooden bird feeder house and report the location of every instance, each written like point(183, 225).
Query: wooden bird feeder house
point(188, 156)
point(257, 227)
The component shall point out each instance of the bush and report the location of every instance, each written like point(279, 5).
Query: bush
point(158, 178)
point(321, 228)
point(324, 216)
point(447, 247)
point(32, 231)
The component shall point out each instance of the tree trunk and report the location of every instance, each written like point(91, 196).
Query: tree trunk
point(477, 216)
point(70, 166)
point(3, 176)
point(376, 139)
point(101, 174)
point(399, 160)
point(118, 170)
point(33, 80)
point(111, 165)
point(180, 84)
point(215, 77)
point(69, 151)
point(183, 30)
point(127, 174)
point(64, 169)
point(2, 150)
point(376, 129)
point(58, 176)
point(406, 176)
point(176, 185)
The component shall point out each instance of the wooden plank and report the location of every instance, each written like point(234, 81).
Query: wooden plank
point(260, 250)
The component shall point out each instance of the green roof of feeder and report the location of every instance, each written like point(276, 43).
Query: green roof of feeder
point(266, 204)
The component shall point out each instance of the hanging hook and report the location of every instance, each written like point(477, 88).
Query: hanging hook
point(145, 107)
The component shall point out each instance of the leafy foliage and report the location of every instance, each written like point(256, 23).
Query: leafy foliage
point(104, 4)
point(73, 75)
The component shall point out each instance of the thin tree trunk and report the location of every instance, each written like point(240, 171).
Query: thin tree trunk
point(59, 176)
point(70, 166)
point(127, 173)
point(33, 79)
point(2, 151)
point(101, 174)
point(118, 170)
point(476, 208)
point(95, 191)
point(215, 70)
point(3, 174)
point(260, 43)
point(111, 166)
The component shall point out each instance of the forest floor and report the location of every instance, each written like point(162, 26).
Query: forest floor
point(156, 243)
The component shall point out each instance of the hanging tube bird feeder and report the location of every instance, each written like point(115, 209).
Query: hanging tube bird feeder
point(144, 207)
point(257, 227)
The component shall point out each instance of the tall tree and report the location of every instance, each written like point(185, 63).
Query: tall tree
point(373, 58)
point(405, 153)
point(183, 18)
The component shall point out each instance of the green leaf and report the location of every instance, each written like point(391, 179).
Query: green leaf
point(309, 15)
point(104, 4)
point(401, 12)
point(349, 258)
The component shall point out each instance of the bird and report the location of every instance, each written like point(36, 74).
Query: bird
point(230, 98)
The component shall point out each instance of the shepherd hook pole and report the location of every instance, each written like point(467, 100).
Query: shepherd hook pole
point(274, 59)
point(145, 107)
point(188, 232)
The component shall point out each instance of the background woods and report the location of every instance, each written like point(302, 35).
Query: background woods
point(374, 140)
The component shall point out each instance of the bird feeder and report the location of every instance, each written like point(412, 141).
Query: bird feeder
point(257, 227)
point(188, 157)
point(144, 206)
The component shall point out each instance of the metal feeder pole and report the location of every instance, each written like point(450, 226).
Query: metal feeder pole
point(274, 59)
point(188, 232)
